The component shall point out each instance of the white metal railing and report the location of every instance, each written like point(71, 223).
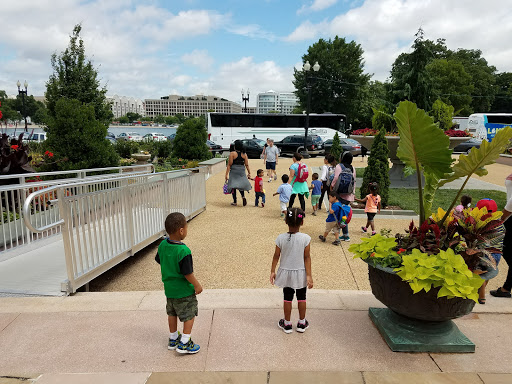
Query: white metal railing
point(108, 221)
point(13, 231)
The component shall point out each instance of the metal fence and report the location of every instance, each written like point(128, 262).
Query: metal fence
point(107, 221)
point(13, 231)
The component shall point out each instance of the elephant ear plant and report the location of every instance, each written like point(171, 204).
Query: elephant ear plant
point(443, 252)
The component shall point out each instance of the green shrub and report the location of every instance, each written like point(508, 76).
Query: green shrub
point(190, 141)
point(336, 149)
point(126, 148)
point(378, 168)
point(160, 149)
point(442, 114)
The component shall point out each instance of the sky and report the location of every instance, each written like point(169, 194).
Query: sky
point(153, 48)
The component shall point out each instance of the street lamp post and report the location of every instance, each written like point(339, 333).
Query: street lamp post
point(245, 99)
point(307, 67)
point(23, 93)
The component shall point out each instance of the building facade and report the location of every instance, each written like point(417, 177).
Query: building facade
point(282, 102)
point(195, 106)
point(121, 105)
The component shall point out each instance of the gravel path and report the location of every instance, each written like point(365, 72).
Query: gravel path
point(233, 246)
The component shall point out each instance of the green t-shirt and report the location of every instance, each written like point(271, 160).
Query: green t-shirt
point(175, 263)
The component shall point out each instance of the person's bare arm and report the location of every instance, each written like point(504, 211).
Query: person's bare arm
point(246, 162)
point(361, 200)
point(505, 215)
point(307, 264)
point(277, 254)
point(192, 280)
point(228, 168)
point(292, 173)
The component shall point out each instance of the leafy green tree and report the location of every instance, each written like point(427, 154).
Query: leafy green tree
point(339, 82)
point(409, 76)
point(78, 112)
point(75, 134)
point(180, 117)
point(125, 148)
point(171, 120)
point(503, 100)
point(482, 75)
point(377, 170)
point(124, 120)
point(41, 115)
point(159, 119)
point(190, 141)
point(74, 77)
point(132, 116)
point(336, 149)
point(373, 95)
point(382, 119)
point(442, 114)
point(9, 113)
point(297, 110)
point(452, 84)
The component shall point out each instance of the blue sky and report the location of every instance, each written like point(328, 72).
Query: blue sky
point(152, 48)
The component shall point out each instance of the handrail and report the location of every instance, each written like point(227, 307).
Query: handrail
point(77, 171)
point(30, 198)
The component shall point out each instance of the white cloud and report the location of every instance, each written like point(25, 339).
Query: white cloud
point(252, 30)
point(198, 58)
point(317, 5)
point(385, 28)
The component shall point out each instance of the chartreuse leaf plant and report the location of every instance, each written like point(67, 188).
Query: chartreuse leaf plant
point(378, 250)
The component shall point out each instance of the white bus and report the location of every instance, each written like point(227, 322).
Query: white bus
point(225, 128)
point(485, 125)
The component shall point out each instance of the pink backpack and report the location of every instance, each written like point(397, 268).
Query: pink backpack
point(302, 173)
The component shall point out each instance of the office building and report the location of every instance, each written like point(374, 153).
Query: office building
point(195, 106)
point(282, 102)
point(121, 105)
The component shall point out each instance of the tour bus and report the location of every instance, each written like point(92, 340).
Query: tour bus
point(225, 128)
point(485, 125)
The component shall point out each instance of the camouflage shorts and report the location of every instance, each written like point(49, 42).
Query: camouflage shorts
point(185, 308)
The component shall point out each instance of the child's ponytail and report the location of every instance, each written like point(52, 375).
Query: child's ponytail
point(294, 217)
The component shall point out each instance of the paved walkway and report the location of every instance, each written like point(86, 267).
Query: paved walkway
point(121, 338)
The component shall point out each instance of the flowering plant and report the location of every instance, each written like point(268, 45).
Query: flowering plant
point(457, 133)
point(14, 156)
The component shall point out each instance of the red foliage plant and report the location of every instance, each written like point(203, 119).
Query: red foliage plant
point(457, 133)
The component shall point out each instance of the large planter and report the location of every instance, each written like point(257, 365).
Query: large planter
point(398, 296)
point(396, 173)
point(142, 158)
point(419, 322)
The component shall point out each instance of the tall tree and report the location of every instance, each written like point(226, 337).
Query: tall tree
point(78, 112)
point(74, 77)
point(503, 99)
point(9, 112)
point(339, 82)
point(409, 76)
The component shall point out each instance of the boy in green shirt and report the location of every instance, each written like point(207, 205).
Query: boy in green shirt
point(180, 284)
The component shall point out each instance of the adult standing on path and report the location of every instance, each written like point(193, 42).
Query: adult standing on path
point(299, 187)
point(504, 290)
point(327, 169)
point(345, 162)
point(271, 159)
point(235, 172)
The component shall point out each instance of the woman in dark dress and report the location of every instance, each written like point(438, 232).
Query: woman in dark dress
point(235, 172)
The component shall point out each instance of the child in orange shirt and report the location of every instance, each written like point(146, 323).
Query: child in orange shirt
point(372, 207)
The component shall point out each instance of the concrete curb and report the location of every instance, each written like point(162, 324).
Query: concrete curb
point(390, 212)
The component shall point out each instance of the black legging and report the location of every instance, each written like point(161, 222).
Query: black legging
point(233, 193)
point(325, 189)
point(507, 253)
point(301, 199)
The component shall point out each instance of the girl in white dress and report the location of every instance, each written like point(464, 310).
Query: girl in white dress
point(294, 273)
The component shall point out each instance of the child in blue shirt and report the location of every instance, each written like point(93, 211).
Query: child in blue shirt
point(335, 214)
point(316, 187)
point(284, 191)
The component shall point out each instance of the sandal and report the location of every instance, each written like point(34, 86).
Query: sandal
point(500, 293)
point(481, 301)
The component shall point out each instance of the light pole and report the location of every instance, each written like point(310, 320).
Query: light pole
point(23, 93)
point(245, 99)
point(306, 68)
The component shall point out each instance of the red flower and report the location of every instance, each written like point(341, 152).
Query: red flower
point(46, 153)
point(373, 254)
point(15, 147)
point(50, 154)
point(401, 250)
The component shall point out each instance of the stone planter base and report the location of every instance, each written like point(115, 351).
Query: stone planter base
point(403, 334)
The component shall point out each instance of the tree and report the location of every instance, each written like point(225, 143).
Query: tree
point(75, 134)
point(132, 116)
point(503, 99)
point(337, 86)
point(124, 120)
point(78, 112)
point(74, 77)
point(377, 170)
point(409, 76)
point(336, 149)
point(159, 119)
point(190, 141)
point(41, 115)
point(442, 114)
point(9, 113)
point(171, 120)
point(452, 84)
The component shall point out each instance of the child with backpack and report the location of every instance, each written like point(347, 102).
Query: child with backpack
point(299, 181)
point(344, 181)
point(339, 217)
point(326, 179)
point(373, 205)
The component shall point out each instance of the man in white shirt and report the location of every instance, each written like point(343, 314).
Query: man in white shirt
point(271, 159)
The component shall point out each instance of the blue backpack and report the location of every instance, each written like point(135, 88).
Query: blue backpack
point(345, 183)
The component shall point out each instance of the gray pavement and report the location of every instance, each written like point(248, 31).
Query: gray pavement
point(121, 337)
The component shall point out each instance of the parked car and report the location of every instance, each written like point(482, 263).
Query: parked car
point(292, 144)
point(130, 136)
point(35, 138)
point(171, 137)
point(253, 148)
point(214, 148)
point(468, 145)
point(350, 145)
point(154, 137)
point(110, 134)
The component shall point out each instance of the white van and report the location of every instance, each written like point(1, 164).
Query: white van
point(35, 138)
point(485, 125)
